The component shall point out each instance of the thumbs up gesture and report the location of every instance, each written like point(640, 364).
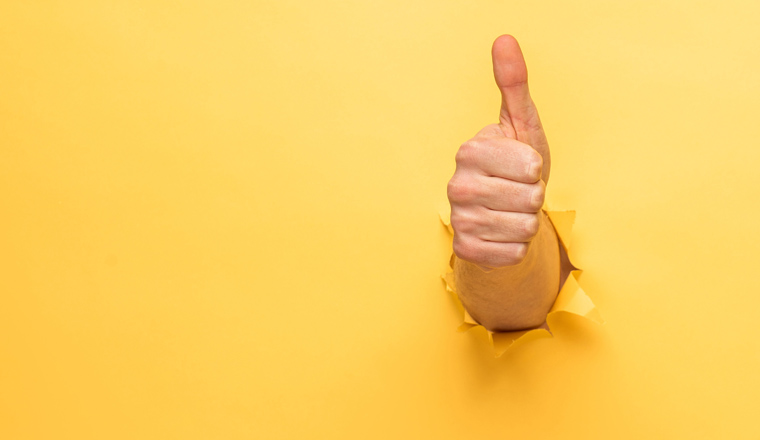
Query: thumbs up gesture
point(498, 188)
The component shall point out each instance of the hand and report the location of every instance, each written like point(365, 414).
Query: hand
point(498, 188)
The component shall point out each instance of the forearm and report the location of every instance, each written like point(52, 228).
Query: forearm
point(515, 297)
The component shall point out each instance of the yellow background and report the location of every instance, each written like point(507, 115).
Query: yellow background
point(219, 220)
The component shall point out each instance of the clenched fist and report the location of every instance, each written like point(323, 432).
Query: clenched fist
point(498, 189)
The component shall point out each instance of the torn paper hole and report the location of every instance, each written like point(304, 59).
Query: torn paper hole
point(571, 298)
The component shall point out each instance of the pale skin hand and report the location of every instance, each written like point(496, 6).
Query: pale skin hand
point(509, 265)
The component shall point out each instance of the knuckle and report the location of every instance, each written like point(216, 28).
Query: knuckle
point(536, 196)
point(513, 255)
point(529, 226)
point(466, 250)
point(534, 165)
point(468, 151)
point(517, 253)
point(461, 190)
point(463, 223)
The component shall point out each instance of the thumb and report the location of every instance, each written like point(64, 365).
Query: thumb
point(518, 116)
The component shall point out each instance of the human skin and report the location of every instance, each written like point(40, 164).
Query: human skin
point(509, 264)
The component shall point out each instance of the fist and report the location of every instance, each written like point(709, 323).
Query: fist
point(499, 185)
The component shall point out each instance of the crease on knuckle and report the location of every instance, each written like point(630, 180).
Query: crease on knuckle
point(534, 166)
point(461, 190)
point(518, 252)
point(529, 226)
point(463, 223)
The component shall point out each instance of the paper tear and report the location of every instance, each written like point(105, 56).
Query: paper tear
point(445, 214)
point(571, 298)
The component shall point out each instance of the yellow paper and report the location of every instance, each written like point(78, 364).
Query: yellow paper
point(218, 219)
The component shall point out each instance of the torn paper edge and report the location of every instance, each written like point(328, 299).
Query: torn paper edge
point(571, 298)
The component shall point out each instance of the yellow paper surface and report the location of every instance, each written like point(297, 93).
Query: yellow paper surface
point(218, 220)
